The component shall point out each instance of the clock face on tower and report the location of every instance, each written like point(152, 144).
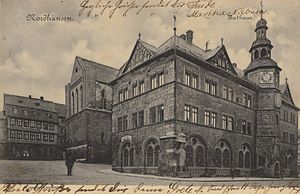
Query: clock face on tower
point(267, 77)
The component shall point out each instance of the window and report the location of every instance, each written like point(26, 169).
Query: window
point(32, 124)
point(222, 155)
point(45, 137)
point(194, 115)
point(15, 111)
point(152, 153)
point(51, 137)
point(187, 78)
point(12, 134)
point(26, 135)
point(152, 115)
point(207, 118)
point(244, 127)
point(285, 137)
point(45, 126)
point(134, 120)
point(153, 82)
point(25, 112)
point(161, 79)
point(142, 87)
point(285, 115)
point(227, 123)
point(38, 125)
point(210, 87)
point(213, 122)
point(19, 135)
point(26, 123)
point(247, 100)
point(187, 113)
point(19, 122)
point(195, 81)
point(210, 119)
point(292, 138)
point(32, 136)
point(227, 93)
point(141, 118)
point(121, 96)
point(51, 127)
point(127, 155)
point(12, 121)
point(262, 161)
point(249, 128)
point(134, 90)
point(120, 123)
point(244, 157)
point(125, 93)
point(160, 110)
point(38, 136)
point(125, 122)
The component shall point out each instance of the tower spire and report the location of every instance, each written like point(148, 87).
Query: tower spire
point(174, 28)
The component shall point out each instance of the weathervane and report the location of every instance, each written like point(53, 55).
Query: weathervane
point(261, 9)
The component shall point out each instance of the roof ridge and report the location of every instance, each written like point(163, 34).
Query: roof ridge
point(96, 63)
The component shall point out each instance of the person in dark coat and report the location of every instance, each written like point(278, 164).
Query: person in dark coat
point(70, 159)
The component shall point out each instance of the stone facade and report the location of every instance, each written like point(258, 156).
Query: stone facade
point(178, 102)
point(89, 104)
point(32, 128)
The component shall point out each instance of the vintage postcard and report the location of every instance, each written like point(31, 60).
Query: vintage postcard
point(149, 96)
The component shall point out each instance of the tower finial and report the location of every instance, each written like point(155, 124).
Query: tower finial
point(222, 41)
point(206, 45)
point(174, 28)
point(261, 9)
point(140, 36)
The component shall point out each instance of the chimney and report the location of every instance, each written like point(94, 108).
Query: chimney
point(42, 97)
point(29, 96)
point(183, 36)
point(189, 36)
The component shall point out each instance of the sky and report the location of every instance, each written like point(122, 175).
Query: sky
point(37, 57)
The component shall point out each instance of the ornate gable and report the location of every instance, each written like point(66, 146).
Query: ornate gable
point(286, 95)
point(221, 59)
point(139, 54)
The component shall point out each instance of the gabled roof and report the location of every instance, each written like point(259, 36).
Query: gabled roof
point(27, 102)
point(286, 93)
point(104, 73)
point(178, 43)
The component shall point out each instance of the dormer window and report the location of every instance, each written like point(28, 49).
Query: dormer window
point(256, 55)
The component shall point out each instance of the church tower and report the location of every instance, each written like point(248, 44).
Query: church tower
point(264, 72)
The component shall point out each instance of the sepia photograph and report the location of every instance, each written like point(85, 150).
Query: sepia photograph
point(149, 96)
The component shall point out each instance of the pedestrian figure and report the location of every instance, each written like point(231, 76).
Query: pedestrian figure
point(70, 159)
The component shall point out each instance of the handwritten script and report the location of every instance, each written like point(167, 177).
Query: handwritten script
point(172, 188)
point(193, 8)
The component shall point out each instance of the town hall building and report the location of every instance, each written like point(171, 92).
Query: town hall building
point(179, 110)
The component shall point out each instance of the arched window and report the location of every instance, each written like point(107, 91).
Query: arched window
point(256, 54)
point(288, 161)
point(127, 155)
point(263, 52)
point(72, 104)
point(218, 157)
point(81, 98)
point(241, 159)
point(226, 158)
point(189, 155)
point(222, 155)
point(245, 157)
point(152, 153)
point(195, 152)
point(247, 160)
point(77, 100)
point(200, 156)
